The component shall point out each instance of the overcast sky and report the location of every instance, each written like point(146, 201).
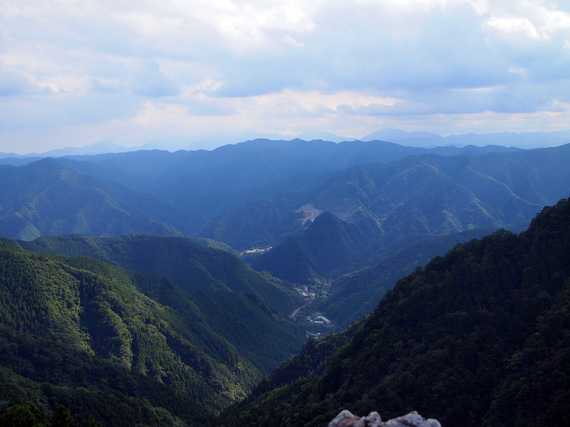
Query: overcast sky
point(75, 72)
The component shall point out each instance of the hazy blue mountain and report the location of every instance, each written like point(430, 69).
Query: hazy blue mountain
point(327, 248)
point(440, 195)
point(386, 208)
point(48, 198)
point(256, 223)
point(210, 183)
point(249, 194)
point(325, 136)
point(504, 139)
point(345, 196)
point(102, 147)
point(394, 135)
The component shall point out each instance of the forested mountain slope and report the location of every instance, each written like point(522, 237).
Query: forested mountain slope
point(245, 307)
point(449, 194)
point(207, 183)
point(477, 337)
point(210, 183)
point(355, 295)
point(415, 199)
point(213, 194)
point(48, 198)
point(95, 338)
point(328, 247)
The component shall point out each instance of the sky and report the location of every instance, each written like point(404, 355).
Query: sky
point(196, 73)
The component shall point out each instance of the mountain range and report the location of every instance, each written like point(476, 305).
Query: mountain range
point(413, 139)
point(378, 210)
point(130, 266)
point(180, 193)
point(378, 198)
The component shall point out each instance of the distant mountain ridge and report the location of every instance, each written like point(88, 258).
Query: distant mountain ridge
point(413, 138)
point(48, 198)
point(179, 193)
point(391, 206)
point(509, 139)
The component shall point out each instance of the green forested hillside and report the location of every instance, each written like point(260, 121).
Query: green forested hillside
point(477, 337)
point(48, 198)
point(192, 266)
point(134, 340)
point(440, 195)
point(257, 223)
point(51, 374)
point(213, 195)
point(424, 195)
point(247, 308)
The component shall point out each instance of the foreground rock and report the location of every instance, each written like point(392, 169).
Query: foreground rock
point(413, 419)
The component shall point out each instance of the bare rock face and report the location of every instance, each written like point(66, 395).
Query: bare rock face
point(413, 419)
point(346, 418)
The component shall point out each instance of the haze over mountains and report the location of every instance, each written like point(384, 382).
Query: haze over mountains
point(412, 139)
point(379, 197)
point(207, 184)
point(143, 273)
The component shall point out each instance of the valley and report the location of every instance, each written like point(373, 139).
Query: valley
point(261, 273)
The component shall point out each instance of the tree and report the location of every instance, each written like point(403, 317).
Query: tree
point(25, 415)
point(62, 418)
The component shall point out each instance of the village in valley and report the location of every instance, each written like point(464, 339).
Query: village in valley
point(316, 291)
point(319, 324)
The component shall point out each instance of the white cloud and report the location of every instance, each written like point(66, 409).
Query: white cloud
point(149, 80)
point(516, 25)
point(289, 65)
point(538, 20)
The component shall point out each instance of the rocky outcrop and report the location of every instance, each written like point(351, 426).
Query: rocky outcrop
point(413, 419)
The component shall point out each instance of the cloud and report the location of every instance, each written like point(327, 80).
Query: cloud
point(13, 83)
point(285, 66)
point(148, 80)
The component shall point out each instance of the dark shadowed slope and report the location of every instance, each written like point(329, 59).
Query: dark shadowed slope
point(478, 337)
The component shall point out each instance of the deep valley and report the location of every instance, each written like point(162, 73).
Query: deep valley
point(295, 277)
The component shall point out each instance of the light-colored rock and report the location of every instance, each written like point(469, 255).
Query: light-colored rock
point(344, 418)
point(371, 420)
point(347, 419)
point(412, 419)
